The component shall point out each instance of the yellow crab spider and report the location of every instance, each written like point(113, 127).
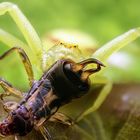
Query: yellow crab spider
point(38, 56)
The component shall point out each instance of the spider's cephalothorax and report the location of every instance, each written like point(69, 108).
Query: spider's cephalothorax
point(65, 80)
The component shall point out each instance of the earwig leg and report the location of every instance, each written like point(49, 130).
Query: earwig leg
point(9, 89)
point(44, 131)
point(62, 118)
point(25, 60)
point(16, 138)
point(8, 106)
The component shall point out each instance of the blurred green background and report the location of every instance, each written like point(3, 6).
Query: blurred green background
point(103, 20)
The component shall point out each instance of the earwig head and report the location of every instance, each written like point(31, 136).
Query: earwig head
point(70, 79)
point(17, 122)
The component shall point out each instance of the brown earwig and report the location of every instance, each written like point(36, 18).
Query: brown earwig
point(64, 81)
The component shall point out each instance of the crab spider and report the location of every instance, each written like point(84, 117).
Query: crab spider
point(36, 52)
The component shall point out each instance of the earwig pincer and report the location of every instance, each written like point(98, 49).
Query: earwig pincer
point(64, 81)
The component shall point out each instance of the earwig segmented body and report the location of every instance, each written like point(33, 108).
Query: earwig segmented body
point(65, 80)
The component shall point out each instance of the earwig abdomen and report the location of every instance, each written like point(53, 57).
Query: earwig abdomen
point(18, 122)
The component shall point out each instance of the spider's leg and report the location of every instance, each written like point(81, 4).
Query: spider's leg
point(62, 118)
point(9, 89)
point(25, 60)
point(24, 25)
point(44, 131)
point(11, 41)
point(114, 45)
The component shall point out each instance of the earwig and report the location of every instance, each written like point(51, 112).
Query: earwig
point(64, 81)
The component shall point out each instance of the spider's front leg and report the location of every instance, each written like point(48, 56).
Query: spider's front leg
point(25, 27)
point(104, 52)
point(11, 41)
